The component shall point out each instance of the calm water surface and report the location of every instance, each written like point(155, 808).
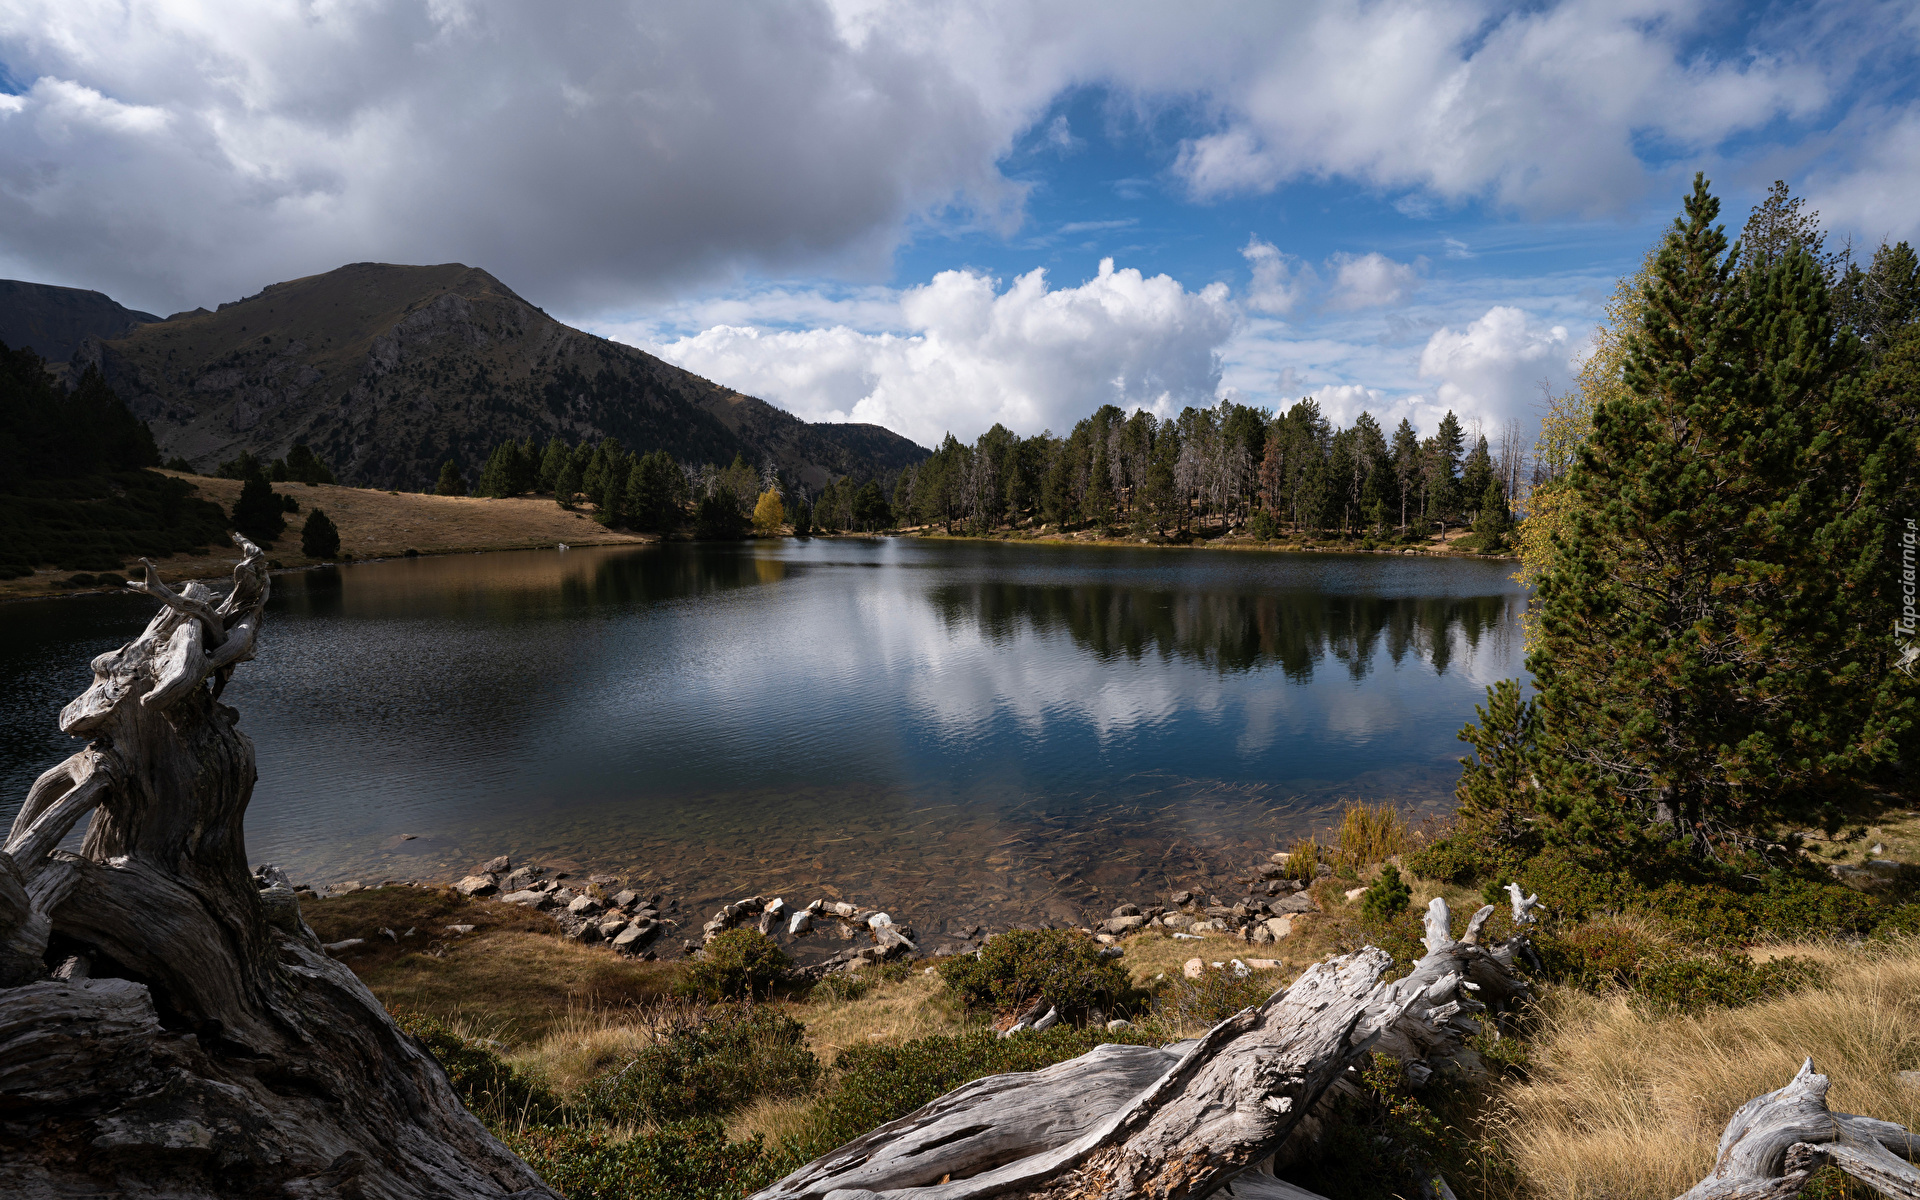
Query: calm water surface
point(960, 732)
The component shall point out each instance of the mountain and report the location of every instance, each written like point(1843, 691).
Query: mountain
point(388, 371)
point(53, 321)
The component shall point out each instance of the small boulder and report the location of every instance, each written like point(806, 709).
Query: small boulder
point(1181, 898)
point(1126, 910)
point(1115, 1026)
point(1264, 964)
point(495, 866)
point(457, 930)
point(530, 899)
point(1353, 894)
point(584, 906)
point(1296, 902)
point(1278, 927)
point(624, 899)
point(878, 919)
point(1120, 926)
point(477, 885)
point(1194, 968)
point(1176, 920)
point(521, 879)
point(801, 922)
point(1280, 856)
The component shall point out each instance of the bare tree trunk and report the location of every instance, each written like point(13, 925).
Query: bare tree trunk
point(1127, 1121)
point(1776, 1141)
point(169, 1025)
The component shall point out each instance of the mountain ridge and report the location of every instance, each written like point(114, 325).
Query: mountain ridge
point(53, 321)
point(388, 370)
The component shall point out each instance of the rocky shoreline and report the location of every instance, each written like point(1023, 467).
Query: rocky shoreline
point(824, 936)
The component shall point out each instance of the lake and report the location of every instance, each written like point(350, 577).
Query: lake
point(960, 732)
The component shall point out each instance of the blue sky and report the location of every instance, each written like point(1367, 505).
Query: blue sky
point(938, 215)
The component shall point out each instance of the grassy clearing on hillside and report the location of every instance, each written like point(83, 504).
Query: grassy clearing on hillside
point(374, 524)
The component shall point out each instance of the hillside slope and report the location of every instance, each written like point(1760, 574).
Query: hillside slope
point(388, 371)
point(53, 321)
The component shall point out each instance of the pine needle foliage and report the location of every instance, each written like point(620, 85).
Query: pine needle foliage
point(1714, 613)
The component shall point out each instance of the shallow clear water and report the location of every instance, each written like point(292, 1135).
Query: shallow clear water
point(956, 731)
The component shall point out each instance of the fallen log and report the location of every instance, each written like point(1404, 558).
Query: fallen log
point(168, 1023)
point(1775, 1142)
point(1189, 1120)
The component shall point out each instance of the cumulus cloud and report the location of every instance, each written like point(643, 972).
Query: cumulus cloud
point(1538, 109)
point(602, 153)
point(967, 354)
point(1279, 280)
point(1493, 368)
point(1370, 281)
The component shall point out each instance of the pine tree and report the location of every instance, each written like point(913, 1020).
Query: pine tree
point(566, 489)
point(1713, 624)
point(802, 519)
point(1497, 791)
point(319, 537)
point(452, 482)
point(1406, 464)
point(496, 477)
point(257, 514)
point(1495, 520)
point(552, 463)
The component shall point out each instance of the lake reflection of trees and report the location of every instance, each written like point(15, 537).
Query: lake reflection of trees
point(1235, 631)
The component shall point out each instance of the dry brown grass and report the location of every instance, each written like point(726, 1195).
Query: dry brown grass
point(900, 1011)
point(513, 979)
point(378, 524)
point(1372, 833)
point(1626, 1104)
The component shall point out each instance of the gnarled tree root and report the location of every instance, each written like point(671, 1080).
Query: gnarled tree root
point(162, 1031)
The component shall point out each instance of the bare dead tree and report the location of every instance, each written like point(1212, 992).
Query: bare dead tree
point(169, 1025)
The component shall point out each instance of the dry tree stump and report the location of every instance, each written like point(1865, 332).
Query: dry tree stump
point(169, 1026)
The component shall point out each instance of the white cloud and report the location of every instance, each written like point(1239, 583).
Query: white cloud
point(1278, 284)
point(965, 354)
point(175, 153)
point(1538, 109)
point(1493, 368)
point(1369, 281)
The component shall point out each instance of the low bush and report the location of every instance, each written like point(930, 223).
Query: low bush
point(690, 1160)
point(873, 1084)
point(1217, 994)
point(707, 1063)
point(491, 1090)
point(1015, 969)
point(739, 964)
point(1694, 983)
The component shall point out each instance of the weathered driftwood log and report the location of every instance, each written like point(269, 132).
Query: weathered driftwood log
point(1774, 1142)
point(168, 1023)
point(1187, 1120)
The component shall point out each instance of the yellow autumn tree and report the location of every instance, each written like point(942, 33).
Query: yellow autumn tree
point(769, 514)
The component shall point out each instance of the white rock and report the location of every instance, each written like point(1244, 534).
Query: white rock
point(1355, 893)
point(476, 885)
point(459, 929)
point(1240, 970)
point(348, 944)
point(1194, 968)
point(1116, 1026)
point(878, 919)
point(1279, 927)
point(801, 922)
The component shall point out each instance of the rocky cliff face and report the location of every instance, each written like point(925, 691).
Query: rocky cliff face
point(388, 371)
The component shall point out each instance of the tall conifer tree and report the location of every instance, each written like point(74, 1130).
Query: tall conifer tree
point(1714, 625)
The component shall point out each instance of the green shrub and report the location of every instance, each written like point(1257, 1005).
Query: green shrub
point(851, 985)
point(1261, 525)
point(709, 1063)
point(1696, 982)
point(1217, 994)
point(740, 963)
point(1016, 968)
point(685, 1161)
point(1458, 859)
point(491, 1090)
point(873, 1084)
point(1594, 956)
point(1387, 896)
